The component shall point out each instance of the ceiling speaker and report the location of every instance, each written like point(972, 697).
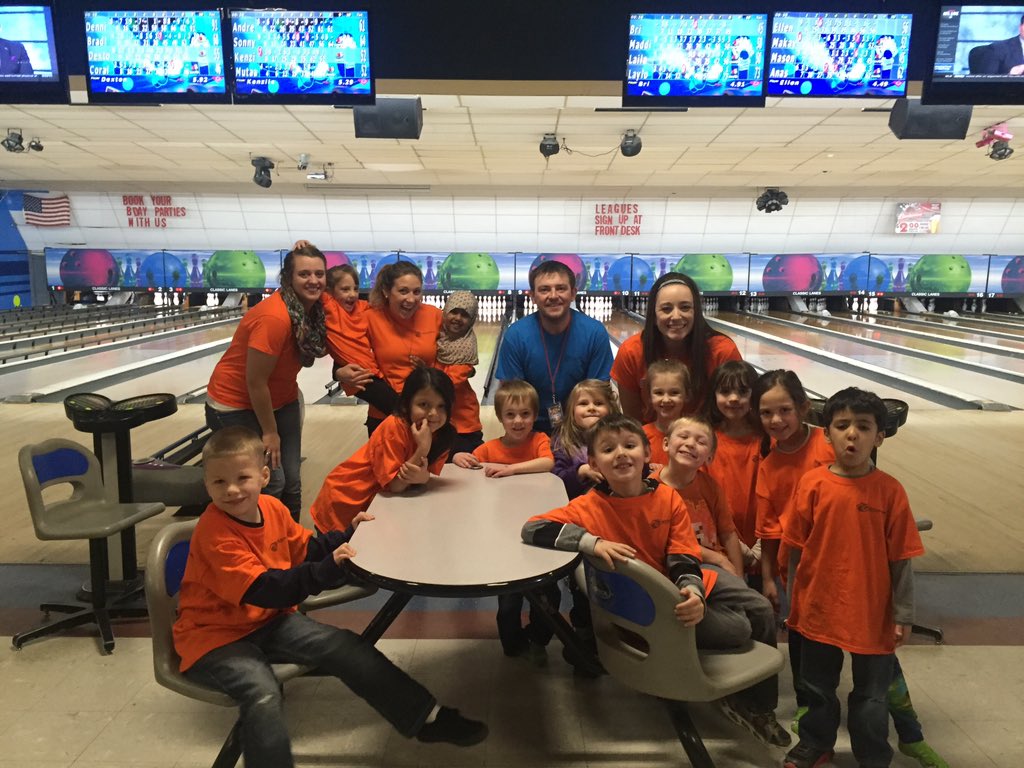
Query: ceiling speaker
point(389, 119)
point(910, 119)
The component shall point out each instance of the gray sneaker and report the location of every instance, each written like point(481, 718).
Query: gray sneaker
point(762, 725)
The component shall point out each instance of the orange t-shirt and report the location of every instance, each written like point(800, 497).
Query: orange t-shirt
point(709, 510)
point(657, 440)
point(734, 468)
point(394, 341)
point(537, 446)
point(267, 329)
point(777, 477)
point(630, 371)
point(465, 415)
point(850, 530)
point(225, 557)
point(351, 486)
point(656, 524)
point(352, 342)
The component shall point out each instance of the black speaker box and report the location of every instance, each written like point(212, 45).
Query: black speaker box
point(910, 119)
point(389, 119)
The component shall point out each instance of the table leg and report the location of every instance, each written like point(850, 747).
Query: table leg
point(385, 616)
point(588, 662)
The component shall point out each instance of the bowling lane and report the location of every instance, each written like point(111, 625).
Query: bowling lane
point(949, 331)
point(938, 374)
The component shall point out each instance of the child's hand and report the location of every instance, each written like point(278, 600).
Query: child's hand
point(656, 467)
point(422, 436)
point(302, 244)
point(498, 470)
point(343, 553)
point(691, 610)
point(587, 474)
point(414, 473)
point(466, 461)
point(360, 518)
point(419, 362)
point(902, 633)
point(769, 590)
point(353, 376)
point(610, 551)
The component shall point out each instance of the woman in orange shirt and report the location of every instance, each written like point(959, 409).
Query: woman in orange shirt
point(402, 330)
point(674, 328)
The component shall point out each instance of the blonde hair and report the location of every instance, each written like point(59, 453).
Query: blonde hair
point(570, 435)
point(234, 441)
point(695, 421)
point(516, 390)
point(671, 367)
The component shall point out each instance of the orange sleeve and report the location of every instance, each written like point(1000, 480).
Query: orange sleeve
point(348, 336)
point(657, 440)
point(721, 511)
point(682, 540)
point(542, 446)
point(465, 415)
point(486, 451)
point(628, 368)
point(768, 524)
point(902, 540)
point(390, 447)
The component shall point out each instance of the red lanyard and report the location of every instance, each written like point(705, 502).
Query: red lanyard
point(561, 354)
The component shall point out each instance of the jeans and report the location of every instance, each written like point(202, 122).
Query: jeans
point(867, 714)
point(735, 615)
point(285, 481)
point(242, 670)
point(510, 620)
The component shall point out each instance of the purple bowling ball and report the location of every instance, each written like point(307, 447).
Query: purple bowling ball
point(89, 268)
point(792, 272)
point(571, 260)
point(1013, 276)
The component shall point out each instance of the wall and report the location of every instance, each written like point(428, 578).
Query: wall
point(416, 223)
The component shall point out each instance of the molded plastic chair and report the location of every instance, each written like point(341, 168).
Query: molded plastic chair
point(85, 514)
point(643, 646)
point(165, 568)
point(935, 633)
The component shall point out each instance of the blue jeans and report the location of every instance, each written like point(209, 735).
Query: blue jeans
point(867, 715)
point(510, 620)
point(242, 670)
point(285, 481)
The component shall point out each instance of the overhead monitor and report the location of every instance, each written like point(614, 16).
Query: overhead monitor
point(165, 56)
point(1005, 276)
point(929, 274)
point(839, 54)
point(686, 60)
point(302, 56)
point(29, 69)
point(716, 274)
point(979, 58)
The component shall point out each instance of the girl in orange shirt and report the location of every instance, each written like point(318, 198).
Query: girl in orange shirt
point(457, 355)
point(405, 450)
point(738, 456)
point(668, 385)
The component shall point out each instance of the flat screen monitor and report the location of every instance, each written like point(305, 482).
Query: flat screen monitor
point(929, 274)
point(29, 69)
point(482, 273)
point(978, 56)
point(716, 274)
point(685, 60)
point(302, 56)
point(839, 54)
point(1005, 276)
point(172, 56)
point(808, 274)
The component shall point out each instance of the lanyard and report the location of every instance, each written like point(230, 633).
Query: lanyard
point(561, 354)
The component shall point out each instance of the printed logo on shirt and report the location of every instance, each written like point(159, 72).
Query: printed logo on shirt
point(862, 507)
point(655, 524)
point(273, 544)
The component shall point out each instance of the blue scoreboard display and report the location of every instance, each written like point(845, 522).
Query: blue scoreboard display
point(839, 54)
point(154, 53)
point(299, 54)
point(692, 57)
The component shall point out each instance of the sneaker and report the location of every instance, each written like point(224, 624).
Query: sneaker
point(452, 728)
point(795, 725)
point(762, 725)
point(806, 756)
point(925, 755)
point(536, 654)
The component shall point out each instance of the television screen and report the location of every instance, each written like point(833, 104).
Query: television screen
point(930, 274)
point(1005, 276)
point(695, 60)
point(716, 274)
point(459, 271)
point(307, 56)
point(155, 56)
point(809, 274)
point(978, 56)
point(29, 71)
point(839, 54)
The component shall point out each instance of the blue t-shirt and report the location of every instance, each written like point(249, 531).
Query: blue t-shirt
point(587, 355)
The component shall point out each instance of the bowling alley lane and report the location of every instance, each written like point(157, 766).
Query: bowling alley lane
point(954, 331)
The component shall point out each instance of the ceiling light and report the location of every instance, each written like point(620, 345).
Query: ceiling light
point(324, 174)
point(631, 144)
point(549, 145)
point(303, 162)
point(1000, 150)
point(772, 200)
point(263, 166)
point(36, 145)
point(13, 142)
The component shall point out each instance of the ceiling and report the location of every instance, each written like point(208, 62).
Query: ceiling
point(481, 138)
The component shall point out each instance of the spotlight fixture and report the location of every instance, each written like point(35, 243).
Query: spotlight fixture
point(772, 200)
point(13, 142)
point(631, 144)
point(303, 162)
point(263, 166)
point(325, 174)
point(36, 145)
point(1000, 150)
point(549, 145)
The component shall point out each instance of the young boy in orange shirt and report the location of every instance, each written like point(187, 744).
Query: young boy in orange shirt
point(519, 451)
point(249, 564)
point(852, 535)
point(627, 516)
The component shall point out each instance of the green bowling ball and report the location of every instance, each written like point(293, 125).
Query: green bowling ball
point(940, 273)
point(711, 271)
point(234, 269)
point(468, 272)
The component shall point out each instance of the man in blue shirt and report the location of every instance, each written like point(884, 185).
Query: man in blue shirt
point(556, 347)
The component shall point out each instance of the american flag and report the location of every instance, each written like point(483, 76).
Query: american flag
point(48, 210)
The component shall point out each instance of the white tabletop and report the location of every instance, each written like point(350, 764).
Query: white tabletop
point(460, 534)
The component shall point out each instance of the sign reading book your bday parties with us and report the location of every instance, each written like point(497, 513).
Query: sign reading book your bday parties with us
point(151, 211)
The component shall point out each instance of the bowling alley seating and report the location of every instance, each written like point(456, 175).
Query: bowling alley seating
point(643, 646)
point(165, 567)
point(85, 514)
point(924, 629)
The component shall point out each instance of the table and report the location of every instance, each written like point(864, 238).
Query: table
point(460, 537)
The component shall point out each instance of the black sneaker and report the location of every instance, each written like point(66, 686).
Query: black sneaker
point(805, 756)
point(452, 728)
